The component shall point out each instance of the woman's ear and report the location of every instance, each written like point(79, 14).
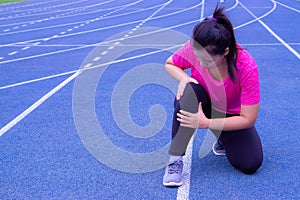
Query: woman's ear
point(226, 52)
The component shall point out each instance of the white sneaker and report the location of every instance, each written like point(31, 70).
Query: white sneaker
point(173, 174)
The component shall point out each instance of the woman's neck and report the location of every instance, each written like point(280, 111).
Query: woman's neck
point(220, 73)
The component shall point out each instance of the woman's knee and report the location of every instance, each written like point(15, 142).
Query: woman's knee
point(192, 95)
point(243, 149)
point(251, 168)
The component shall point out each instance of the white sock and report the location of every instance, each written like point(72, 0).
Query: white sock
point(174, 158)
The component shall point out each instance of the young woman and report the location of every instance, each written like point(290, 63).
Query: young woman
point(222, 94)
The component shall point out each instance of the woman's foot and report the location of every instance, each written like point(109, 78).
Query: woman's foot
point(218, 148)
point(173, 174)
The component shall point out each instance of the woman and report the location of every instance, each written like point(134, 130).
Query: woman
point(222, 94)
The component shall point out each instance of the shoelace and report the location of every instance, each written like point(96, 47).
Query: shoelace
point(175, 168)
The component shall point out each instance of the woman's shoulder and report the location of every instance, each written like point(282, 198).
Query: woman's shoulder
point(244, 61)
point(188, 45)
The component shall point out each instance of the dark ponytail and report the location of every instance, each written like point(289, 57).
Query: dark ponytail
point(215, 35)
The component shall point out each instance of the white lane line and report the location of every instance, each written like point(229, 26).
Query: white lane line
point(269, 44)
point(46, 39)
point(57, 88)
point(157, 11)
point(291, 8)
point(76, 27)
point(87, 46)
point(59, 16)
point(108, 27)
point(96, 59)
point(25, 48)
point(17, 8)
point(272, 32)
point(12, 53)
point(45, 97)
point(254, 20)
point(116, 41)
point(158, 17)
point(100, 65)
point(85, 20)
point(110, 43)
point(37, 104)
point(202, 10)
point(37, 80)
point(130, 32)
point(104, 53)
point(183, 191)
point(87, 65)
point(142, 45)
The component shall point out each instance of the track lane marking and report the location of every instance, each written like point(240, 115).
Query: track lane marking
point(37, 104)
point(271, 31)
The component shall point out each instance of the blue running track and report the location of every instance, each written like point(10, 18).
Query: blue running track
point(86, 105)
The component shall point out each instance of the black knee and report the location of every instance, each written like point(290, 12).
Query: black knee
point(192, 95)
point(188, 101)
point(250, 167)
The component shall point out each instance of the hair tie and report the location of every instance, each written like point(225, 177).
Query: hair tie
point(213, 19)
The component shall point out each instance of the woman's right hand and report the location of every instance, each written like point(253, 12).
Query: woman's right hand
point(182, 85)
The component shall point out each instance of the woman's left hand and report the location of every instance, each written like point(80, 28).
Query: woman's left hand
point(193, 120)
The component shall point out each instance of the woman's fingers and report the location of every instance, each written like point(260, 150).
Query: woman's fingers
point(184, 114)
point(194, 80)
point(182, 86)
point(185, 118)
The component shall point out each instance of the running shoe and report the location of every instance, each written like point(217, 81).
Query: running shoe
point(173, 174)
point(218, 148)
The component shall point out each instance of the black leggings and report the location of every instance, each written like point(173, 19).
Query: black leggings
point(243, 147)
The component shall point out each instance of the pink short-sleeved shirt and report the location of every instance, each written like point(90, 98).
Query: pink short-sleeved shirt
point(227, 95)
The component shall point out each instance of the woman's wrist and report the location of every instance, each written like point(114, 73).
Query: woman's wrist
point(205, 123)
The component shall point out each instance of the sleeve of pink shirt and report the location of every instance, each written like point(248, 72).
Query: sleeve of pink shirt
point(182, 58)
point(248, 79)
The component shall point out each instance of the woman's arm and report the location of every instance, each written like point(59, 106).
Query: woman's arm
point(246, 119)
point(179, 75)
point(176, 72)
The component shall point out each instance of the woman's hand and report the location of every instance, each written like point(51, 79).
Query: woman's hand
point(193, 120)
point(182, 85)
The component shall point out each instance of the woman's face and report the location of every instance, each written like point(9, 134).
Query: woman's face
point(210, 61)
